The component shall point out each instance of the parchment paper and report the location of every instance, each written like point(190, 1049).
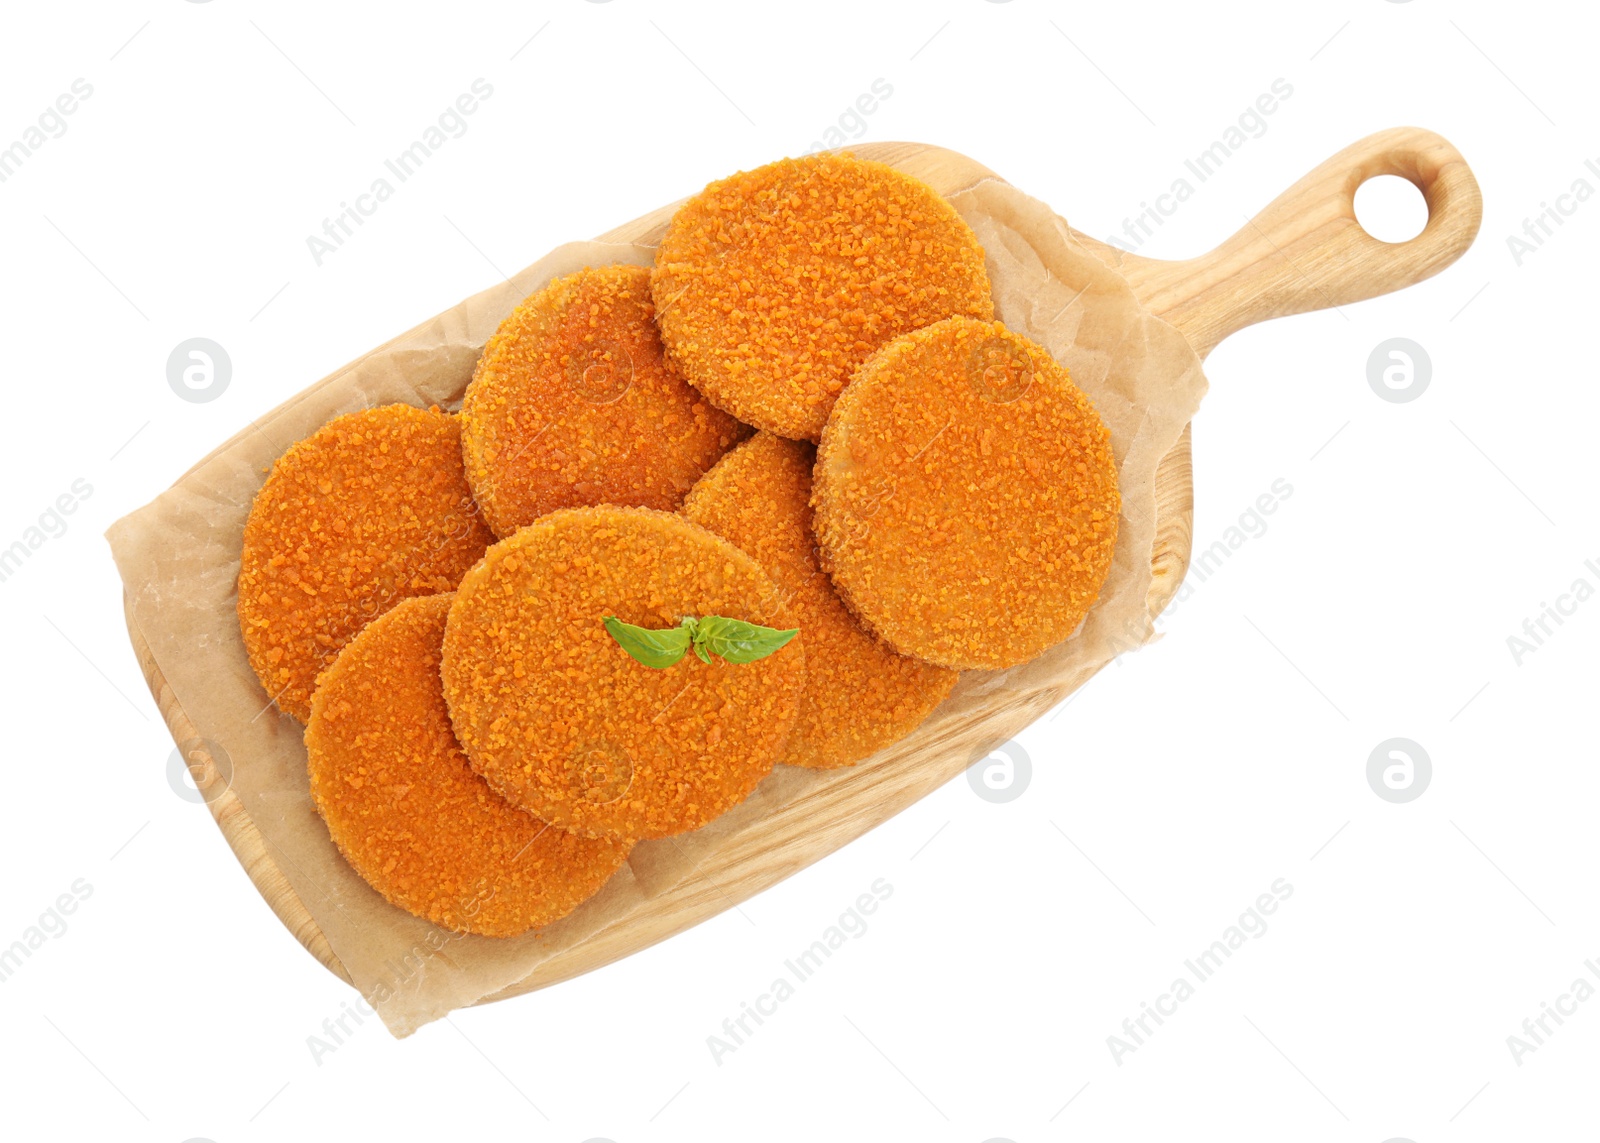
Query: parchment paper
point(179, 560)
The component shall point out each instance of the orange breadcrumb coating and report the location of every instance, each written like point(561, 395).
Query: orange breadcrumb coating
point(966, 496)
point(573, 403)
point(370, 509)
point(774, 285)
point(405, 807)
point(861, 695)
point(563, 722)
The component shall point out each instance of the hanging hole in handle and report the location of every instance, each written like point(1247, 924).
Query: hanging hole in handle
point(1391, 208)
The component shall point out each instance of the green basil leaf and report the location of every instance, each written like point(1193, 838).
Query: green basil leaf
point(738, 641)
point(733, 639)
point(657, 649)
point(697, 638)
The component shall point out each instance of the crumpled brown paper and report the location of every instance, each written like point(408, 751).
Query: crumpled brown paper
point(179, 560)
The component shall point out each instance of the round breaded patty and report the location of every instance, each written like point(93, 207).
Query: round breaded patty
point(774, 285)
point(860, 694)
point(405, 807)
point(563, 722)
point(573, 403)
point(966, 496)
point(371, 509)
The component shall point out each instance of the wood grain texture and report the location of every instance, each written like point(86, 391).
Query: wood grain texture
point(1305, 251)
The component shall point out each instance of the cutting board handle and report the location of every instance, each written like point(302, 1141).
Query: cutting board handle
point(1306, 251)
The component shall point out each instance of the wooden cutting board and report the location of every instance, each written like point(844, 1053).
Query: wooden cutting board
point(1305, 251)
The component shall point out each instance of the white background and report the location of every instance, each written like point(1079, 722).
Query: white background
point(1164, 799)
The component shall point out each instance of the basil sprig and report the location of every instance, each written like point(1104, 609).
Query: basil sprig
point(731, 639)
